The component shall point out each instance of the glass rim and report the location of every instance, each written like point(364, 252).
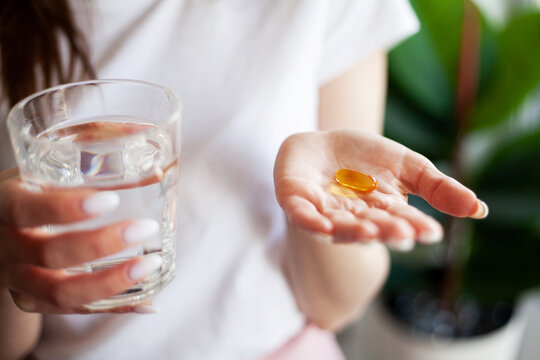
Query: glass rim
point(175, 115)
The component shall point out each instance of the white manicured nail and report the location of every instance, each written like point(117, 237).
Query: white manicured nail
point(402, 245)
point(323, 238)
point(430, 237)
point(482, 211)
point(101, 202)
point(146, 266)
point(145, 309)
point(141, 230)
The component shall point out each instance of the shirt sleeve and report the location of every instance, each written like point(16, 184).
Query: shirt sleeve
point(357, 28)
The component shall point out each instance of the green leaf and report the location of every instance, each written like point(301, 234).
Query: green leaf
point(488, 55)
point(509, 182)
point(512, 206)
point(504, 262)
point(416, 70)
point(443, 21)
point(418, 131)
point(516, 72)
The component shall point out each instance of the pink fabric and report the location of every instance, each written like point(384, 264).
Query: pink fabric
point(311, 343)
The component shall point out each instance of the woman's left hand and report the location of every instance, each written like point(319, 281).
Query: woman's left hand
point(313, 202)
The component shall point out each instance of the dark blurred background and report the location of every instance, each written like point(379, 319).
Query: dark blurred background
point(465, 92)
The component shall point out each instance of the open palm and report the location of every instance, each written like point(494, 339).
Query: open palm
point(306, 189)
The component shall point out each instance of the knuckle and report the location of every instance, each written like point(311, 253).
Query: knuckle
point(425, 162)
point(98, 247)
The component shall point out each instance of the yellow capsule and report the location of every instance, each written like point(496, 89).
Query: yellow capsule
point(356, 180)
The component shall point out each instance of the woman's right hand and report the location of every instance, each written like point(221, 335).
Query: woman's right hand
point(32, 261)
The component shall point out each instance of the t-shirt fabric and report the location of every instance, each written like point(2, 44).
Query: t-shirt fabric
point(248, 73)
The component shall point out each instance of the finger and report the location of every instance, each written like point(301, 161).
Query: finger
point(71, 291)
point(29, 303)
point(74, 248)
point(348, 228)
point(22, 208)
point(441, 191)
point(145, 308)
point(428, 230)
point(396, 232)
point(305, 216)
point(390, 227)
point(11, 173)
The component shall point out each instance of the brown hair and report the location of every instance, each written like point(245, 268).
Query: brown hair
point(30, 33)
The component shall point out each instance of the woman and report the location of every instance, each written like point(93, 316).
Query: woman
point(257, 79)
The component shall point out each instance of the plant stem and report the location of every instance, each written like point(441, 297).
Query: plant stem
point(466, 92)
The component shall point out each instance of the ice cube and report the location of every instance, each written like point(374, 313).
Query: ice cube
point(101, 164)
point(56, 162)
point(146, 155)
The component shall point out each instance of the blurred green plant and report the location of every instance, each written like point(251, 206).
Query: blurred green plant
point(456, 94)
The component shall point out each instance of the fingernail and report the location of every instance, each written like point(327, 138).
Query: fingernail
point(430, 237)
point(402, 245)
point(145, 309)
point(140, 230)
point(323, 238)
point(101, 202)
point(145, 266)
point(482, 210)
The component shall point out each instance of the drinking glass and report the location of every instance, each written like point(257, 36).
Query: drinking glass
point(108, 135)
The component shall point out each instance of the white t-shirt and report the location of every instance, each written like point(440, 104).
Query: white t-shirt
point(248, 73)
